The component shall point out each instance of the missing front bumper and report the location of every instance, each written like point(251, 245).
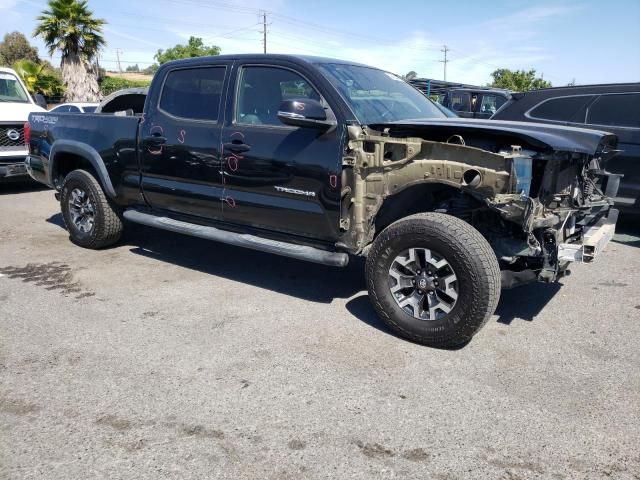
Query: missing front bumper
point(595, 239)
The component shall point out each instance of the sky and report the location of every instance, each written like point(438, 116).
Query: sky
point(589, 41)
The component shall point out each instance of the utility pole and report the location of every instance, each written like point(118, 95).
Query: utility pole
point(264, 31)
point(445, 49)
point(118, 57)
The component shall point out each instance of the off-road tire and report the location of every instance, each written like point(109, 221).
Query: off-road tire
point(470, 256)
point(107, 227)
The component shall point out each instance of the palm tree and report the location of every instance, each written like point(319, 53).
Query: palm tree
point(69, 27)
point(39, 77)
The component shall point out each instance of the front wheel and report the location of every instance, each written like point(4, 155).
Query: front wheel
point(433, 279)
point(92, 219)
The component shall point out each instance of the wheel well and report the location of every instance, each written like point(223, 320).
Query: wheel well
point(65, 163)
point(415, 199)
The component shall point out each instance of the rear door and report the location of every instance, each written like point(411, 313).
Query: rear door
point(278, 177)
point(180, 141)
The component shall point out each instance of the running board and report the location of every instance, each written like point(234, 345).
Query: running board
point(310, 254)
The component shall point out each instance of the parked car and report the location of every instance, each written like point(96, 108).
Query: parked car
point(473, 102)
point(445, 110)
point(611, 107)
point(128, 101)
point(77, 107)
point(320, 160)
point(15, 106)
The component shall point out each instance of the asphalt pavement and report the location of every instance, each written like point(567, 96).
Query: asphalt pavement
point(174, 357)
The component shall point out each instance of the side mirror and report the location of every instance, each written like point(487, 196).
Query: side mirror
point(304, 112)
point(40, 100)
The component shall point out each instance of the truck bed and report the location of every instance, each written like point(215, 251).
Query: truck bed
point(113, 138)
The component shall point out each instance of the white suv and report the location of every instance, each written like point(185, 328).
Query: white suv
point(15, 106)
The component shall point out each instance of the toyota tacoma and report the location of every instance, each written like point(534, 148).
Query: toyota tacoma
point(321, 160)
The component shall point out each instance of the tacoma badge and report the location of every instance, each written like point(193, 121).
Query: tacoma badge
point(295, 191)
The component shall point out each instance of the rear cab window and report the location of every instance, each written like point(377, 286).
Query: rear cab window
point(193, 93)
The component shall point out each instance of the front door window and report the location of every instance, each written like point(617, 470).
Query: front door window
point(262, 90)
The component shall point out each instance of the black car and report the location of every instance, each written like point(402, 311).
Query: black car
point(611, 107)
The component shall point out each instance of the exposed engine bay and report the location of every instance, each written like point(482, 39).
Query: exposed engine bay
point(540, 207)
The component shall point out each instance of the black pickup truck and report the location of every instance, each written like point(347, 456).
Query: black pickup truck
point(322, 159)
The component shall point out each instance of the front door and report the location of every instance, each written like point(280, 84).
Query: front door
point(180, 143)
point(278, 177)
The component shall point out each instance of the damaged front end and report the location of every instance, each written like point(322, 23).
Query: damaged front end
point(539, 206)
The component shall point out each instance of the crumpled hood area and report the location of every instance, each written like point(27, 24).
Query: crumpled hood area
point(555, 137)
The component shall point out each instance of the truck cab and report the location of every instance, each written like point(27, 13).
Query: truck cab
point(15, 106)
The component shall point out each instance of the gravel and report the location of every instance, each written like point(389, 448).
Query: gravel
point(173, 357)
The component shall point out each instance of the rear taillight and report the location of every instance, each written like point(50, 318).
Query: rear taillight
point(27, 134)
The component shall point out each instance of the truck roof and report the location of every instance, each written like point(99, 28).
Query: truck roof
point(268, 56)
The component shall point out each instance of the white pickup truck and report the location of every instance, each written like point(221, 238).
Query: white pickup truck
point(15, 106)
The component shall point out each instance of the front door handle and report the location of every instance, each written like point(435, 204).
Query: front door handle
point(155, 140)
point(237, 147)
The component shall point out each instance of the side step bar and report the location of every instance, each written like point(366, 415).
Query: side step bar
point(310, 254)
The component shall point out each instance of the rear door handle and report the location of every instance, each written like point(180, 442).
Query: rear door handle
point(236, 147)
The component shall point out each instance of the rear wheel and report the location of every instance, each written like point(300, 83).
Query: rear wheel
point(92, 219)
point(433, 279)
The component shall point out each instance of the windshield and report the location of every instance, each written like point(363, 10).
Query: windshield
point(89, 109)
point(376, 96)
point(11, 90)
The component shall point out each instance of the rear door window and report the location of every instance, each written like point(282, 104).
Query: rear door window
point(193, 93)
point(491, 103)
point(562, 109)
point(619, 110)
point(460, 102)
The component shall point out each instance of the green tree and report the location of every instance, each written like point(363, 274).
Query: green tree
point(151, 69)
point(39, 77)
point(194, 48)
point(518, 80)
point(70, 28)
point(409, 76)
point(133, 68)
point(14, 47)
point(112, 84)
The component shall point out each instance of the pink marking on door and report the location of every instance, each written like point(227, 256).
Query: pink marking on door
point(232, 161)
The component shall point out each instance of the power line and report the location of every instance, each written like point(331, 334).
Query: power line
point(264, 31)
point(118, 56)
point(445, 49)
point(217, 5)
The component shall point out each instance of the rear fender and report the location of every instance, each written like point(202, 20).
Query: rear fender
point(60, 147)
